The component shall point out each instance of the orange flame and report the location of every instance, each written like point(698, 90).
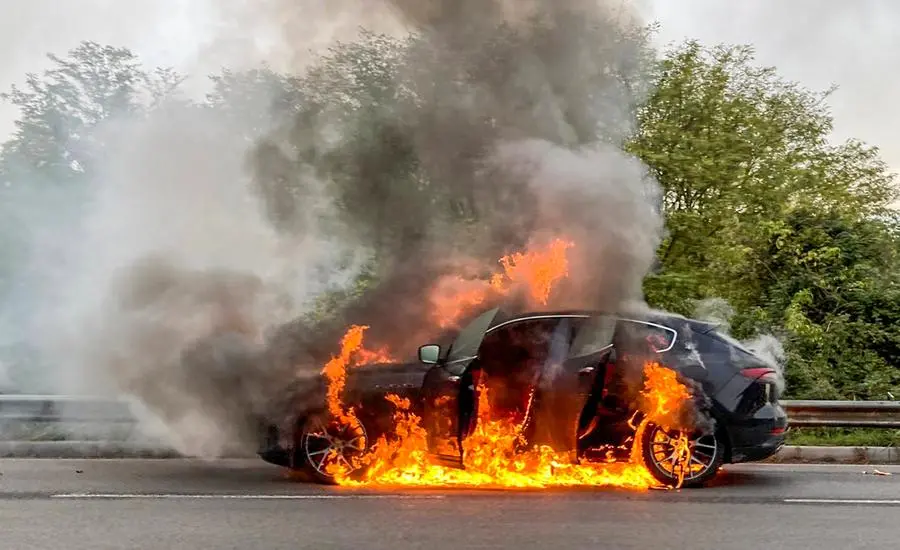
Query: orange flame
point(664, 399)
point(454, 296)
point(666, 403)
point(493, 453)
point(335, 370)
point(537, 271)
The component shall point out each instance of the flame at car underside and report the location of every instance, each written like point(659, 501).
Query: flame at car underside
point(493, 453)
point(493, 456)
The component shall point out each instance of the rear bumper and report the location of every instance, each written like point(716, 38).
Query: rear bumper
point(759, 437)
point(763, 450)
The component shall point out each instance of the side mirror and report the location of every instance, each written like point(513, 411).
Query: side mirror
point(429, 354)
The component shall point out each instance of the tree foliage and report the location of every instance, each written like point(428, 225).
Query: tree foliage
point(53, 142)
point(764, 211)
point(762, 208)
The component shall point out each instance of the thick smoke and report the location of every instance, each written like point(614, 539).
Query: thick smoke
point(514, 118)
point(181, 275)
point(494, 126)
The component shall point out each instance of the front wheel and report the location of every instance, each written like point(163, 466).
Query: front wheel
point(678, 459)
point(323, 444)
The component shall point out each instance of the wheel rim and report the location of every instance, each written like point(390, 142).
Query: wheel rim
point(682, 457)
point(330, 444)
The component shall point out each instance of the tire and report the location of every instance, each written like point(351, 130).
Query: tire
point(657, 444)
point(321, 441)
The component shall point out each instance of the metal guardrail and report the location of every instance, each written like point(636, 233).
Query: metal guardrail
point(843, 414)
point(65, 408)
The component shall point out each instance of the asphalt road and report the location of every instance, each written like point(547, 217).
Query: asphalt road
point(180, 504)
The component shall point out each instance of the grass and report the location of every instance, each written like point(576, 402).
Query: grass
point(844, 437)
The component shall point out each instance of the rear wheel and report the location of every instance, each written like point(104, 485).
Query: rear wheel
point(323, 444)
point(679, 459)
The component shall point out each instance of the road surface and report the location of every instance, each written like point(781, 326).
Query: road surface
point(182, 504)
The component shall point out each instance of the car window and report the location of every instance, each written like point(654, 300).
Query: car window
point(593, 335)
point(639, 337)
point(526, 343)
point(467, 343)
point(730, 341)
point(719, 348)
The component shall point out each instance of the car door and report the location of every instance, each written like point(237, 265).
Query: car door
point(509, 366)
point(442, 386)
point(573, 374)
point(636, 342)
point(560, 360)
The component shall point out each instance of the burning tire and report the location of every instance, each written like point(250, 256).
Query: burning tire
point(323, 443)
point(676, 459)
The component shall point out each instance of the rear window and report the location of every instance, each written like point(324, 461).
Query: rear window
point(716, 347)
point(641, 337)
point(730, 341)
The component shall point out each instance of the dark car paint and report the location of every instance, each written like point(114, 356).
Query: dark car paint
point(751, 436)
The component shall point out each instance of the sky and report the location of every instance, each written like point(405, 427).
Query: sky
point(852, 44)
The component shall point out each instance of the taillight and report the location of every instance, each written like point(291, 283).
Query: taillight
point(761, 374)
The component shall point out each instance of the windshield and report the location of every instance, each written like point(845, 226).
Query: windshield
point(467, 343)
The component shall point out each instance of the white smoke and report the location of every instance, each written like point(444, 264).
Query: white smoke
point(176, 249)
point(770, 348)
point(601, 199)
point(714, 310)
point(766, 346)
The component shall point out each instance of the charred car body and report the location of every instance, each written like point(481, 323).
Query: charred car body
point(581, 368)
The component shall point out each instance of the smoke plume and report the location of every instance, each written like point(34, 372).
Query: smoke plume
point(766, 346)
point(213, 241)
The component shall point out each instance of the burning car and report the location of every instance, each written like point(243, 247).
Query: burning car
point(568, 381)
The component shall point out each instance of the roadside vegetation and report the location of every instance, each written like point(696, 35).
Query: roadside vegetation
point(794, 232)
point(844, 437)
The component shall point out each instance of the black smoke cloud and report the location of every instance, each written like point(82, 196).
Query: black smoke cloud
point(493, 126)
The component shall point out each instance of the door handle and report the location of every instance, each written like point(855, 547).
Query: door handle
point(587, 370)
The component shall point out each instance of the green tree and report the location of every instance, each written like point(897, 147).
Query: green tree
point(832, 280)
point(745, 158)
point(53, 142)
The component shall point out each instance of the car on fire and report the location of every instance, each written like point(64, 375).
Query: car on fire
point(582, 405)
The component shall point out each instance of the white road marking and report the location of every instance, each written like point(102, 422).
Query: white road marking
point(840, 501)
point(236, 497)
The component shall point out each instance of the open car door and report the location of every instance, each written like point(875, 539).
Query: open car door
point(442, 387)
point(570, 382)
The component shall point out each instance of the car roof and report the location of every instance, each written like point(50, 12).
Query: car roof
point(664, 318)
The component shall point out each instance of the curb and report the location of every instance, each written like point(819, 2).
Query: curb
point(836, 455)
point(118, 449)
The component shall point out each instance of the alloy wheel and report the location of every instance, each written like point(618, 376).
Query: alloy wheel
point(681, 457)
point(328, 444)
